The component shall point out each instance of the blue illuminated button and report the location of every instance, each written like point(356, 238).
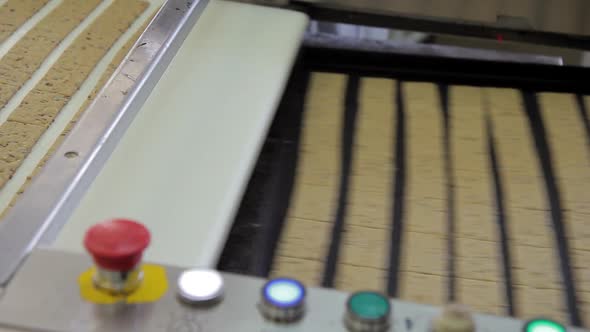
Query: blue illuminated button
point(368, 311)
point(543, 325)
point(283, 300)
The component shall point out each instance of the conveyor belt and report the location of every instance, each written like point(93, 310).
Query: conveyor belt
point(429, 192)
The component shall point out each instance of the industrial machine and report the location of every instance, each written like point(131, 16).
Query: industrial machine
point(190, 151)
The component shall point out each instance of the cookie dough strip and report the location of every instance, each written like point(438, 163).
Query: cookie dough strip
point(571, 159)
point(538, 289)
point(478, 262)
point(306, 233)
point(13, 13)
point(365, 243)
point(423, 265)
point(25, 57)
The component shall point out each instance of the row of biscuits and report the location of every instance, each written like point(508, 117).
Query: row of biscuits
point(423, 275)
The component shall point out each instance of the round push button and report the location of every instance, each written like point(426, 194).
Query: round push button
point(117, 245)
point(200, 286)
point(454, 318)
point(543, 325)
point(283, 300)
point(368, 311)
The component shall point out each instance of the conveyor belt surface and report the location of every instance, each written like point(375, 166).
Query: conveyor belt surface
point(433, 193)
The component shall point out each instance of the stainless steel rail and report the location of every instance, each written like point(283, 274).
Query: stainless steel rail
point(419, 49)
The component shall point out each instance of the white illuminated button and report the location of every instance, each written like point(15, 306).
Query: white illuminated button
point(199, 286)
point(283, 300)
point(284, 292)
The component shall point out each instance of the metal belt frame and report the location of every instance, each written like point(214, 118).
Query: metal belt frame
point(383, 14)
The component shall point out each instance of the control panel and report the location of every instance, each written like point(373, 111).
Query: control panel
point(52, 292)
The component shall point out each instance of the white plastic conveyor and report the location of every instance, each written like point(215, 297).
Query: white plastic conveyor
point(182, 166)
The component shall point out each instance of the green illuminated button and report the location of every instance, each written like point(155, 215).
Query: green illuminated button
point(367, 311)
point(543, 325)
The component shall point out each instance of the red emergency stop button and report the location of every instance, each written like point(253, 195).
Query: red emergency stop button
point(117, 245)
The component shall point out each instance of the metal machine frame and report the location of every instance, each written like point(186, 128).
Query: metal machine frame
point(28, 296)
point(419, 16)
point(56, 191)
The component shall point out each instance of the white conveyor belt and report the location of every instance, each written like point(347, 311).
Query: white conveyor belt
point(182, 166)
